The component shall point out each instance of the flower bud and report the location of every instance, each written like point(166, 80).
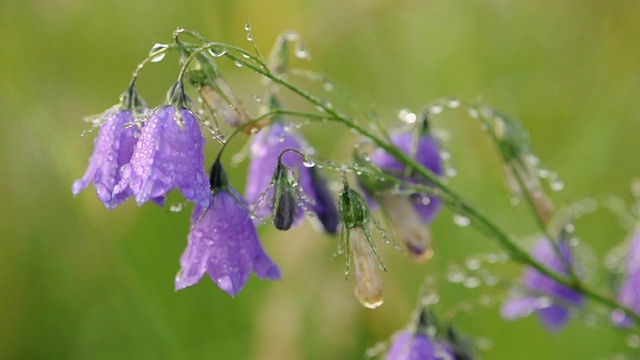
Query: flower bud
point(285, 206)
point(368, 288)
point(408, 225)
point(352, 208)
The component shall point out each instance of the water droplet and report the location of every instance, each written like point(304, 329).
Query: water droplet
point(327, 86)
point(217, 51)
point(556, 185)
point(436, 109)
point(473, 264)
point(177, 207)
point(453, 103)
point(301, 53)
point(249, 37)
point(471, 283)
point(407, 116)
point(456, 276)
point(256, 98)
point(473, 113)
point(247, 26)
point(450, 171)
point(461, 221)
point(237, 63)
point(158, 52)
point(308, 162)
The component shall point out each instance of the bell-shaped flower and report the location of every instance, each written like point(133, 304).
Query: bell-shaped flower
point(543, 295)
point(410, 213)
point(113, 148)
point(355, 217)
point(629, 292)
point(408, 345)
point(267, 149)
point(168, 155)
point(424, 340)
point(223, 242)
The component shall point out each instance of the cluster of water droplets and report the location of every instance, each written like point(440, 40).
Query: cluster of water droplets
point(475, 273)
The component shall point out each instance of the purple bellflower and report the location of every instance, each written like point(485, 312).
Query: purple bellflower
point(549, 299)
point(408, 214)
point(223, 242)
point(265, 149)
point(629, 292)
point(168, 155)
point(408, 345)
point(113, 148)
point(422, 341)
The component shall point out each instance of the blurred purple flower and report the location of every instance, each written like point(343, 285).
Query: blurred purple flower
point(223, 242)
point(408, 345)
point(426, 154)
point(629, 292)
point(113, 148)
point(168, 155)
point(549, 299)
point(408, 214)
point(265, 149)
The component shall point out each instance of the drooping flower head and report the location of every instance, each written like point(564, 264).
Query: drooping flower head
point(113, 148)
point(223, 241)
point(355, 217)
point(543, 295)
point(629, 292)
point(266, 148)
point(408, 345)
point(168, 155)
point(424, 340)
point(409, 215)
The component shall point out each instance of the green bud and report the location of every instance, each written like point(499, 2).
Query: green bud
point(352, 208)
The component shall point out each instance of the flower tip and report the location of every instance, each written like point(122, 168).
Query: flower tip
point(78, 186)
point(420, 255)
point(226, 284)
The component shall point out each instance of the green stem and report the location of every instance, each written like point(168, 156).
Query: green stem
point(479, 219)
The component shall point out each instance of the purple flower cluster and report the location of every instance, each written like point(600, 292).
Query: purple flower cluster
point(147, 163)
point(629, 292)
point(545, 296)
point(145, 155)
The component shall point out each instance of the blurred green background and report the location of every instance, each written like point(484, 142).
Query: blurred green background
point(80, 282)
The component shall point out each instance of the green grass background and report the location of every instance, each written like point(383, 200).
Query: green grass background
point(80, 282)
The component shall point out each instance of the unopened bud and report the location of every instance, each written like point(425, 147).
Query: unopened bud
point(408, 225)
point(368, 288)
point(352, 208)
point(285, 207)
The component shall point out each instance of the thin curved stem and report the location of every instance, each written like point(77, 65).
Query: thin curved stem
point(479, 219)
